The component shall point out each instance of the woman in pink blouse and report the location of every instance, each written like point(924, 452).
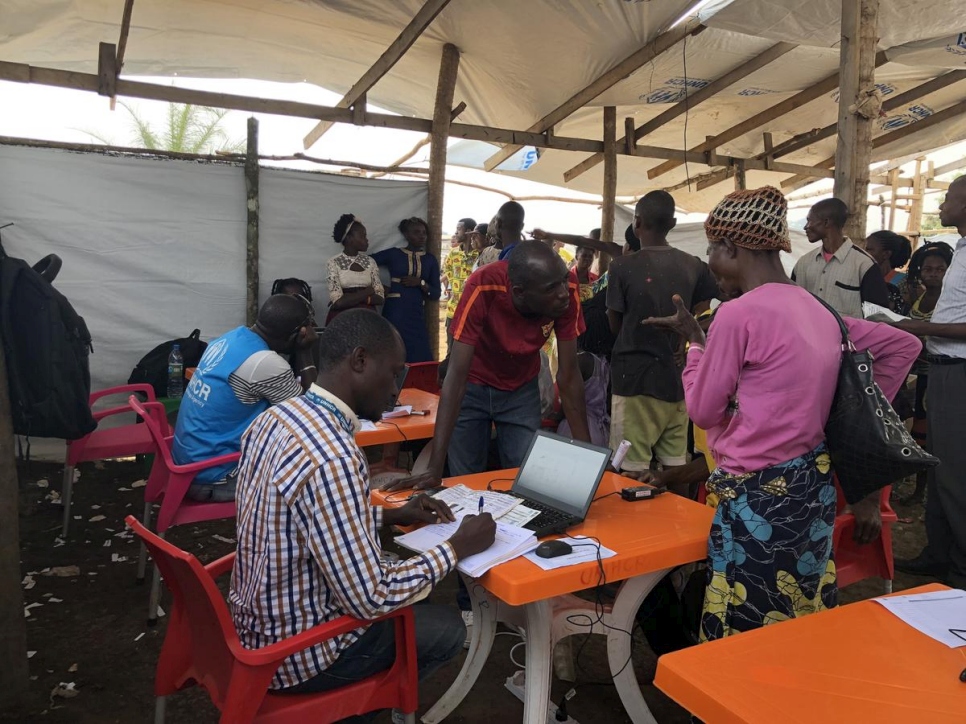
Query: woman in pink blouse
point(762, 386)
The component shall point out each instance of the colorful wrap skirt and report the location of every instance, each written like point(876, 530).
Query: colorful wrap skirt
point(770, 549)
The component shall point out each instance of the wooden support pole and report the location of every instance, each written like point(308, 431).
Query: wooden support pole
point(914, 222)
point(853, 152)
point(13, 629)
point(106, 70)
point(251, 240)
point(445, 87)
point(741, 182)
point(894, 176)
point(609, 193)
point(122, 43)
point(421, 20)
point(359, 111)
point(769, 149)
point(630, 143)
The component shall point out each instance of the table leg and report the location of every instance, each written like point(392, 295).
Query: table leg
point(485, 609)
point(539, 652)
point(632, 593)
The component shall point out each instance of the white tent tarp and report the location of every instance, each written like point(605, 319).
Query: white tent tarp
point(521, 60)
point(152, 249)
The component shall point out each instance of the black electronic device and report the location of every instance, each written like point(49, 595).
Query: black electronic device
point(640, 492)
point(554, 548)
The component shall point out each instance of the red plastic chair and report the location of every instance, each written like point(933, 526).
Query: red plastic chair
point(168, 484)
point(854, 562)
point(115, 442)
point(202, 647)
point(423, 376)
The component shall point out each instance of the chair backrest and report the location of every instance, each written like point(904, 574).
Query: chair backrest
point(423, 376)
point(151, 412)
point(200, 629)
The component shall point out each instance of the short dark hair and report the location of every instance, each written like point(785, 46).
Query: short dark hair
point(341, 227)
point(520, 261)
point(834, 210)
point(468, 224)
point(282, 315)
point(405, 224)
point(595, 233)
point(898, 246)
point(631, 238)
point(656, 210)
point(511, 216)
point(304, 289)
point(936, 248)
point(351, 329)
point(483, 228)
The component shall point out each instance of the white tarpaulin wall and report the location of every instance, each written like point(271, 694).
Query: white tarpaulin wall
point(152, 248)
point(520, 60)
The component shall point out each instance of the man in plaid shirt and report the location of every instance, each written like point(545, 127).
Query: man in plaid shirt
point(308, 537)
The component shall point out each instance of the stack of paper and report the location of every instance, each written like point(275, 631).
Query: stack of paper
point(938, 614)
point(505, 508)
point(511, 542)
point(878, 313)
point(398, 411)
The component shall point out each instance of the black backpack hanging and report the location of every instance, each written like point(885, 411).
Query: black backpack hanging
point(46, 346)
point(153, 367)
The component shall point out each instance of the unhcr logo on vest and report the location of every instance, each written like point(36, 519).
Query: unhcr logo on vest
point(212, 356)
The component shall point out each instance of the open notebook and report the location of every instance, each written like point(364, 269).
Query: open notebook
point(511, 542)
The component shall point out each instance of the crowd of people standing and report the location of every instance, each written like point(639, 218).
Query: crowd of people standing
point(720, 373)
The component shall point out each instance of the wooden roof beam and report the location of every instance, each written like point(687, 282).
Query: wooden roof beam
point(22, 73)
point(889, 104)
point(730, 78)
point(796, 182)
point(427, 13)
point(612, 77)
point(826, 85)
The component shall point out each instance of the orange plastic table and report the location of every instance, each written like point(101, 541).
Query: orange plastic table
point(401, 429)
point(649, 537)
point(856, 663)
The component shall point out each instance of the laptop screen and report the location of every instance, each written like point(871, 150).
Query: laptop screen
point(400, 381)
point(562, 473)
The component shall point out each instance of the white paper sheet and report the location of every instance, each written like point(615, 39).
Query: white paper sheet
point(584, 551)
point(464, 501)
point(941, 615)
point(511, 542)
point(398, 411)
point(880, 314)
point(519, 516)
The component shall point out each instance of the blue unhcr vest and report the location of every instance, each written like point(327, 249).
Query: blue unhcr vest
point(212, 419)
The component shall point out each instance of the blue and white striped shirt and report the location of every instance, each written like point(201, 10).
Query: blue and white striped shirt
point(308, 537)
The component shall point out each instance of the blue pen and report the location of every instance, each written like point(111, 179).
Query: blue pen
point(481, 504)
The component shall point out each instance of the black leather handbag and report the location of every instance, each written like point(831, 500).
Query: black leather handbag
point(869, 446)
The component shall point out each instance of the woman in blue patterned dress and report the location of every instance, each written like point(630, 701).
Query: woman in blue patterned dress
point(414, 275)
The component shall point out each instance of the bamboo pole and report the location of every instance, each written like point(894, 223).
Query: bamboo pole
point(914, 222)
point(251, 240)
point(894, 176)
point(853, 153)
point(609, 193)
point(445, 88)
point(13, 630)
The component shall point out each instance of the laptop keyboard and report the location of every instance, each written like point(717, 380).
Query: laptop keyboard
point(548, 518)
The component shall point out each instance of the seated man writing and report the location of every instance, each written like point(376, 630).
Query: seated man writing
point(308, 537)
point(239, 376)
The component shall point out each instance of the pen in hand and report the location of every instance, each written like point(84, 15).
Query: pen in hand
point(481, 505)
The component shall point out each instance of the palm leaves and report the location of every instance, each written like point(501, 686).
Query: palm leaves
point(186, 129)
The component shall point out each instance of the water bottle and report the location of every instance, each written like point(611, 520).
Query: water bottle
point(175, 372)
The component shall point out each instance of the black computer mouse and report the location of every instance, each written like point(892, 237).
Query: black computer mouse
point(553, 548)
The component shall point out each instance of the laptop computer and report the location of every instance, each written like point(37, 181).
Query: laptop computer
point(559, 477)
point(400, 381)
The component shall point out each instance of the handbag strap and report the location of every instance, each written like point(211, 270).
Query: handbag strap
point(847, 345)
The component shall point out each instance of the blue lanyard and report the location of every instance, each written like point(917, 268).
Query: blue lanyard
point(328, 405)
